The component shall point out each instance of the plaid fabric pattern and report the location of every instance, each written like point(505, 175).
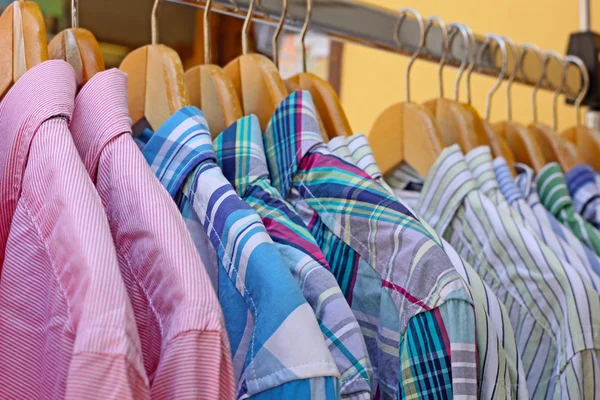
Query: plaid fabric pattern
point(501, 373)
point(240, 155)
point(583, 186)
point(553, 311)
point(585, 262)
point(554, 195)
point(263, 308)
point(391, 269)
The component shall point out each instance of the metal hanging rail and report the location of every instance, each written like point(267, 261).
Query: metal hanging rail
point(359, 23)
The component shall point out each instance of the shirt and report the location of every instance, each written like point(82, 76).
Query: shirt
point(186, 350)
point(277, 347)
point(583, 186)
point(554, 195)
point(241, 156)
point(501, 373)
point(412, 306)
point(584, 261)
point(553, 311)
point(525, 182)
point(67, 328)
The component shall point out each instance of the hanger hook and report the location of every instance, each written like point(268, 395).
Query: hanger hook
point(236, 8)
point(585, 87)
point(445, 47)
point(246, 27)
point(206, 28)
point(303, 33)
point(471, 67)
point(549, 55)
point(420, 46)
point(530, 47)
point(489, 38)
point(513, 75)
point(456, 27)
point(154, 21)
point(74, 15)
point(277, 32)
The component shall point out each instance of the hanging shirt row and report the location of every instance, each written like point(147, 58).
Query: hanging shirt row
point(270, 264)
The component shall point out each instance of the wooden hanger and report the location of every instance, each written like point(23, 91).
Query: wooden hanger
point(554, 148)
point(79, 48)
point(326, 100)
point(23, 42)
point(457, 124)
point(210, 89)
point(156, 83)
point(256, 79)
point(516, 136)
point(406, 132)
point(586, 140)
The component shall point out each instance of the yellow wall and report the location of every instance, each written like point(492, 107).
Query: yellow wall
point(373, 80)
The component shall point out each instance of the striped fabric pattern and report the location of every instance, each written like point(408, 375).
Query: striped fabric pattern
point(554, 313)
point(501, 373)
point(264, 310)
point(241, 156)
point(67, 328)
point(396, 271)
point(583, 186)
point(179, 318)
point(554, 195)
point(584, 261)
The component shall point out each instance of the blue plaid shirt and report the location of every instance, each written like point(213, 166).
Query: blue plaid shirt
point(264, 310)
point(414, 310)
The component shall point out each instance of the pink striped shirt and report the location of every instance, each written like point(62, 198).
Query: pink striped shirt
point(186, 349)
point(67, 327)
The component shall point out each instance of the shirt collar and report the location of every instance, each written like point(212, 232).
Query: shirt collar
point(362, 155)
point(552, 189)
point(480, 163)
point(506, 181)
point(291, 133)
point(580, 176)
point(525, 180)
point(240, 153)
point(181, 144)
point(338, 146)
point(405, 178)
point(448, 183)
point(101, 113)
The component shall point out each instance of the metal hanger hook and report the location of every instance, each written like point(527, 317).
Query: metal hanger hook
point(277, 32)
point(456, 27)
point(472, 55)
point(303, 33)
point(530, 47)
point(585, 87)
point(445, 48)
point(511, 78)
point(234, 3)
point(489, 38)
point(154, 21)
point(246, 27)
point(206, 31)
point(74, 15)
point(403, 13)
point(548, 56)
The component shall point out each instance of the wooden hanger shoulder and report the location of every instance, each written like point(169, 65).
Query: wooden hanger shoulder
point(213, 92)
point(23, 42)
point(156, 84)
point(553, 146)
point(79, 48)
point(258, 84)
point(523, 147)
point(405, 132)
point(326, 102)
point(586, 142)
point(456, 124)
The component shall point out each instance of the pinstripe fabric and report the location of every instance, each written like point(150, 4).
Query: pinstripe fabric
point(584, 189)
point(554, 195)
point(264, 310)
point(413, 308)
point(584, 261)
point(499, 362)
point(67, 328)
point(553, 311)
point(241, 156)
point(186, 350)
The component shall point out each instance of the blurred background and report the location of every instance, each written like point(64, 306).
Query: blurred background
point(367, 80)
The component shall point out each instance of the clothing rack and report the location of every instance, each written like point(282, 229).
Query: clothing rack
point(359, 23)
